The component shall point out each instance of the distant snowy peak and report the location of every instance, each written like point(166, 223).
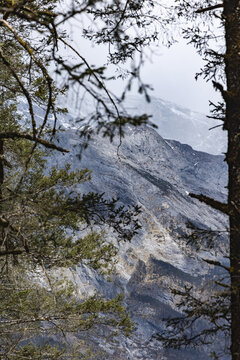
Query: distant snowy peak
point(178, 123)
point(174, 122)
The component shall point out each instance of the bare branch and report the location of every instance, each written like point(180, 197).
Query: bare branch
point(209, 8)
point(214, 127)
point(212, 202)
point(94, 74)
point(14, 135)
point(216, 263)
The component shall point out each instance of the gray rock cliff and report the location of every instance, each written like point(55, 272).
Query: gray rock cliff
point(156, 174)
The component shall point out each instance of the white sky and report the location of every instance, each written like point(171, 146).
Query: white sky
point(171, 72)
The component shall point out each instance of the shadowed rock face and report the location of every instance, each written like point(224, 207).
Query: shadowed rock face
point(156, 174)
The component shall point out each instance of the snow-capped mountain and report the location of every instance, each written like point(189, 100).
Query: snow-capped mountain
point(173, 121)
point(178, 123)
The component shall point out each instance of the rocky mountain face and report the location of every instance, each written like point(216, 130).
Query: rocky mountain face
point(173, 121)
point(156, 174)
point(178, 123)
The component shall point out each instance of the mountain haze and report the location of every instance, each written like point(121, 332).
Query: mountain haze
point(179, 123)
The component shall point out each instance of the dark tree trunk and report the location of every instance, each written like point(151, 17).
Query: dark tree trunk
point(1, 171)
point(232, 26)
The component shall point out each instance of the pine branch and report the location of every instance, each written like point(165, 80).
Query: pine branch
point(14, 135)
point(24, 90)
point(40, 65)
point(121, 17)
point(209, 8)
point(212, 202)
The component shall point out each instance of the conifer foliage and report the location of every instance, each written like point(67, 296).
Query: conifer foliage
point(40, 224)
point(43, 230)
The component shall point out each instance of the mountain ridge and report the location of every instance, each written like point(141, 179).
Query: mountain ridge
point(156, 174)
point(179, 123)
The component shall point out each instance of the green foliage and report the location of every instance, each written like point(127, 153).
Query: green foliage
point(47, 227)
point(42, 315)
point(42, 235)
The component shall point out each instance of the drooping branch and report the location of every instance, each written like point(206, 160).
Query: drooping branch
point(218, 205)
point(41, 66)
point(24, 90)
point(29, 50)
point(15, 135)
point(101, 84)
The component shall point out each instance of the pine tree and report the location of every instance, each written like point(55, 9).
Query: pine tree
point(38, 243)
point(41, 314)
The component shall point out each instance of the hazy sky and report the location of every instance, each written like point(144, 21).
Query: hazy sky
point(171, 72)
